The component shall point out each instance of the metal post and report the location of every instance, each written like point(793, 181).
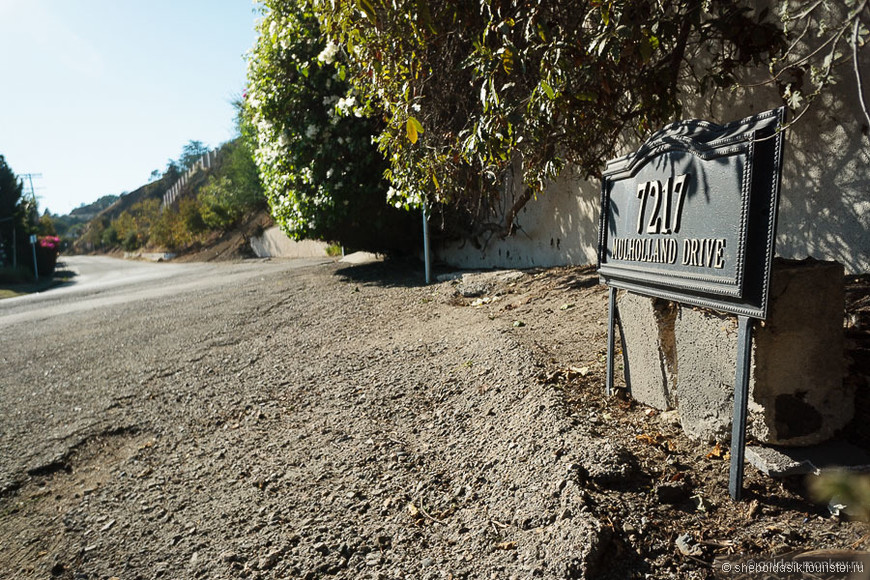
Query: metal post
point(14, 248)
point(741, 399)
point(426, 257)
point(611, 317)
point(33, 247)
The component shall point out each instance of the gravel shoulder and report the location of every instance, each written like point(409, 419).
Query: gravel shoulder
point(287, 420)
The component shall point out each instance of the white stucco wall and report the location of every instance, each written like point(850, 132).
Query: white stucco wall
point(275, 244)
point(558, 228)
point(824, 210)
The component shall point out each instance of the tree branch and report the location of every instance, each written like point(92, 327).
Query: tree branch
point(855, 28)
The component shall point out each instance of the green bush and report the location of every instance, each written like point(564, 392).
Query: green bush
point(109, 236)
point(218, 204)
point(131, 242)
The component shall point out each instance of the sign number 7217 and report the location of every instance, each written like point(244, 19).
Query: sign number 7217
point(666, 215)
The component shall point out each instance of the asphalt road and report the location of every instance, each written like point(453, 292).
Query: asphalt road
point(100, 282)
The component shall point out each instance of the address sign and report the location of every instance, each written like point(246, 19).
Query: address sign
point(691, 215)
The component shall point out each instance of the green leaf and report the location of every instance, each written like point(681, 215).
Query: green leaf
point(367, 8)
point(551, 94)
point(645, 49)
point(425, 15)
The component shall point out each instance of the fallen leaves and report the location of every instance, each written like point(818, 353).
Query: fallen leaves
point(718, 452)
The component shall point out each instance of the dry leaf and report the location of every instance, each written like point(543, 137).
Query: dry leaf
point(717, 452)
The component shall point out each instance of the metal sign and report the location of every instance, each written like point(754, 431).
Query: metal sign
point(691, 217)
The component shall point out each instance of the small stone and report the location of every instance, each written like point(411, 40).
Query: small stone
point(373, 559)
point(384, 540)
point(321, 548)
point(687, 545)
point(269, 560)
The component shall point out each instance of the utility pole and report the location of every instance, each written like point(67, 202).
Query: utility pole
point(29, 177)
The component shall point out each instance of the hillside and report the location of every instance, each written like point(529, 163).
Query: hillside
point(89, 211)
point(197, 203)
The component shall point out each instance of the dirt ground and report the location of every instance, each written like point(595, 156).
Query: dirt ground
point(351, 422)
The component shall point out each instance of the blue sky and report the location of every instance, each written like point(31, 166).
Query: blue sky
point(96, 94)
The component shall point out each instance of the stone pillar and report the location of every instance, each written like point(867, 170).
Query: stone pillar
point(797, 392)
point(647, 329)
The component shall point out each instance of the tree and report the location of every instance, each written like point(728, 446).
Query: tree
point(191, 153)
point(14, 214)
point(312, 139)
point(471, 91)
point(10, 192)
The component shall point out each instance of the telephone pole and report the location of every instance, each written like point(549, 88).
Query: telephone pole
point(29, 177)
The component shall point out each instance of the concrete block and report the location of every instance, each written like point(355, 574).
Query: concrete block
point(800, 363)
point(646, 325)
point(786, 461)
point(706, 367)
point(797, 393)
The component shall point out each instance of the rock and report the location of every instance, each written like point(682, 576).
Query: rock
point(269, 560)
point(321, 548)
point(374, 559)
point(688, 546)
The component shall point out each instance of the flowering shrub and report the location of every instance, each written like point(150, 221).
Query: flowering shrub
point(47, 250)
point(51, 243)
point(323, 176)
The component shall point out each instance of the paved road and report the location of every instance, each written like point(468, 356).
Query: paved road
point(99, 282)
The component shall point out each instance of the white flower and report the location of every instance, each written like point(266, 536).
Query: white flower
point(346, 105)
point(311, 131)
point(327, 55)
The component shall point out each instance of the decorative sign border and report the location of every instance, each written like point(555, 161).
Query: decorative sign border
point(691, 215)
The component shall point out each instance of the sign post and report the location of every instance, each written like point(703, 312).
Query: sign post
point(33, 247)
point(691, 217)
